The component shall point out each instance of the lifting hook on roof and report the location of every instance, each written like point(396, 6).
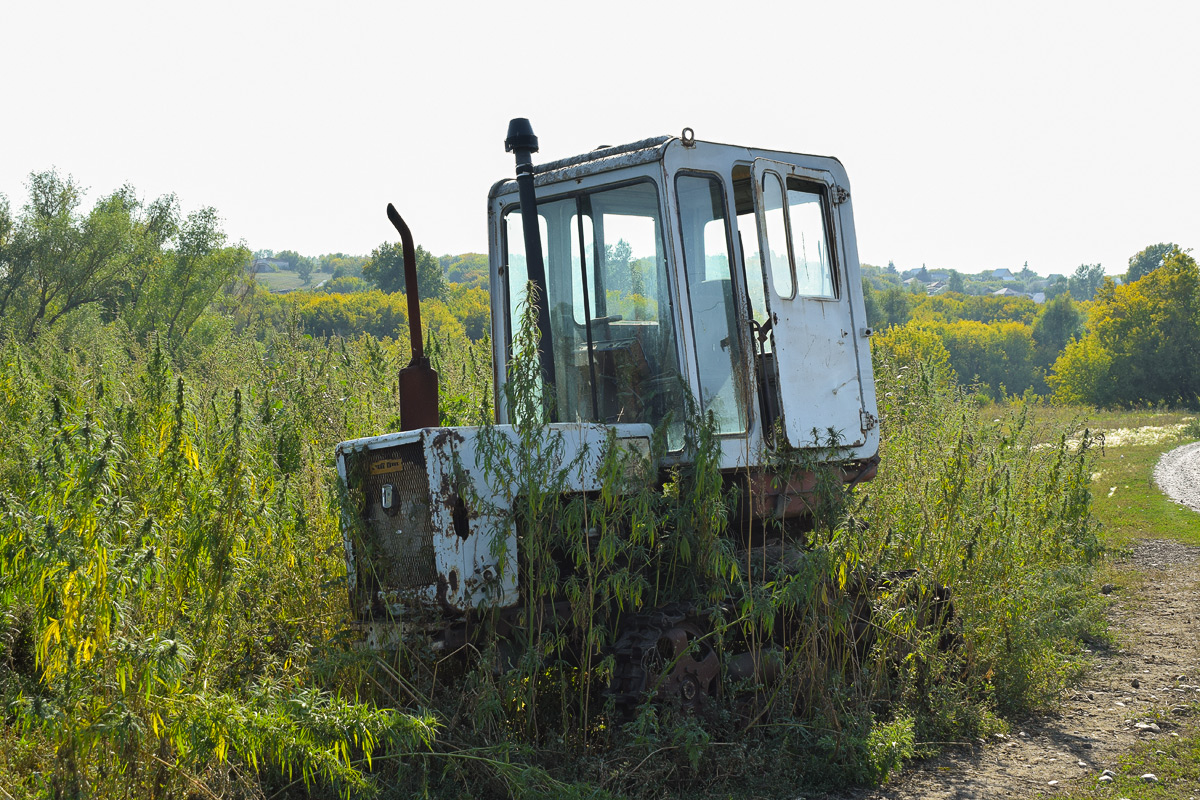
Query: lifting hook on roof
point(689, 137)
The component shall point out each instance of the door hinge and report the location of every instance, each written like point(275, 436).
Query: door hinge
point(866, 419)
point(840, 195)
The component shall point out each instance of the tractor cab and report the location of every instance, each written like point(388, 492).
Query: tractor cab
point(675, 269)
point(671, 276)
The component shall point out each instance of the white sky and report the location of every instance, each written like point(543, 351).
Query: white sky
point(1049, 132)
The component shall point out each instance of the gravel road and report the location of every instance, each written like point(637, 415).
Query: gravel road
point(1178, 475)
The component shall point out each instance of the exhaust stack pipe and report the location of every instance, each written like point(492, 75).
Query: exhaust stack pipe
point(523, 144)
point(418, 381)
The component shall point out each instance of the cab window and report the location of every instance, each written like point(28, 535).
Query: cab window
point(611, 314)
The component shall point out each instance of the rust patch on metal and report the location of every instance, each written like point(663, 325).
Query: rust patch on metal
point(794, 497)
point(446, 436)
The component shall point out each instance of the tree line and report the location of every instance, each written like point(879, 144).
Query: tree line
point(157, 270)
point(1124, 344)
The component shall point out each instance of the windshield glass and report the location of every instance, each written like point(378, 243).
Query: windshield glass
point(611, 318)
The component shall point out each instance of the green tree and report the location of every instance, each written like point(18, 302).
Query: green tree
point(342, 266)
point(1059, 324)
point(471, 306)
point(875, 316)
point(1059, 286)
point(895, 306)
point(58, 259)
point(468, 269)
point(135, 261)
point(956, 282)
point(291, 257)
point(910, 345)
point(1149, 259)
point(1083, 374)
point(999, 356)
point(385, 268)
point(345, 285)
point(1086, 281)
point(182, 279)
point(1142, 344)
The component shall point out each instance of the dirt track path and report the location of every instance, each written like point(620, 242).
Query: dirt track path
point(1152, 674)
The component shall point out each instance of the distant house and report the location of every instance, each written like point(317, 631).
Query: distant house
point(1006, 292)
point(1055, 277)
point(1039, 297)
point(267, 265)
point(1003, 275)
point(911, 281)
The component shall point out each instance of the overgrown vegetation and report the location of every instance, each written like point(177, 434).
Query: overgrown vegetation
point(172, 611)
point(174, 601)
point(173, 620)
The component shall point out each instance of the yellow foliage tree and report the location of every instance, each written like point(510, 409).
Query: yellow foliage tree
point(1142, 343)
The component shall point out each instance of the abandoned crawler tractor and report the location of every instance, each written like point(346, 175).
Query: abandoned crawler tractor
point(665, 274)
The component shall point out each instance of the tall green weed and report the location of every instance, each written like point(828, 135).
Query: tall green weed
point(983, 508)
point(169, 552)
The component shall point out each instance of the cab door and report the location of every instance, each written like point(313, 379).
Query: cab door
point(816, 350)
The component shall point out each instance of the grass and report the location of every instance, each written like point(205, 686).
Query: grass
point(285, 281)
point(1131, 506)
point(1125, 500)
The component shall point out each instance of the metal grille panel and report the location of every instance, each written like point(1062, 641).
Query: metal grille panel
point(401, 537)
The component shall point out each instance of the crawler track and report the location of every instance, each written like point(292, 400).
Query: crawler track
point(664, 654)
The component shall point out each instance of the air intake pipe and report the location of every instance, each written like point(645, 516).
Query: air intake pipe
point(523, 144)
point(418, 381)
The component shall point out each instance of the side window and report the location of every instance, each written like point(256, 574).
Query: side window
point(810, 246)
point(719, 360)
point(777, 237)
